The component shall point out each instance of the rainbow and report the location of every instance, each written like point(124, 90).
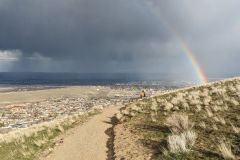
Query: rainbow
point(188, 52)
point(190, 56)
point(197, 68)
point(185, 47)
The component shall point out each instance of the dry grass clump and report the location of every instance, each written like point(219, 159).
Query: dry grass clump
point(168, 106)
point(136, 108)
point(216, 119)
point(226, 151)
point(214, 126)
point(181, 143)
point(207, 100)
point(183, 138)
point(177, 143)
point(185, 106)
point(238, 87)
point(216, 108)
point(154, 109)
point(219, 102)
point(191, 137)
point(195, 102)
point(218, 91)
point(209, 112)
point(178, 123)
point(154, 106)
point(232, 88)
point(198, 108)
point(202, 125)
point(180, 96)
point(222, 120)
point(234, 102)
point(235, 129)
point(125, 112)
point(174, 101)
point(153, 116)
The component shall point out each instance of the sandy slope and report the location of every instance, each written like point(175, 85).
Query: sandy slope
point(39, 95)
point(87, 141)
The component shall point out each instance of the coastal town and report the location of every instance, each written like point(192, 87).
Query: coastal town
point(24, 115)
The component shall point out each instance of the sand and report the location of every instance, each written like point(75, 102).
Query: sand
point(38, 95)
point(87, 141)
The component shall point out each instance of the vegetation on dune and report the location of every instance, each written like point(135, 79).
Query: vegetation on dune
point(196, 123)
point(29, 143)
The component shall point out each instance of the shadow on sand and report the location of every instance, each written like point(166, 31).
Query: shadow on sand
point(110, 133)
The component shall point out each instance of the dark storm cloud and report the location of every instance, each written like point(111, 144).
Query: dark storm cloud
point(86, 35)
point(120, 35)
point(85, 28)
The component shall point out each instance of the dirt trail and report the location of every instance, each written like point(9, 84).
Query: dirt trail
point(87, 141)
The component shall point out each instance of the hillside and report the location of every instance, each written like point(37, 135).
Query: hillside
point(201, 122)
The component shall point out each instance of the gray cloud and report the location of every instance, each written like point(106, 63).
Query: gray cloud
point(121, 35)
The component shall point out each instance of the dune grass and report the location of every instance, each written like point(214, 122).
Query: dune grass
point(211, 113)
point(30, 146)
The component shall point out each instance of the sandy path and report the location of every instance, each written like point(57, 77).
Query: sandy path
point(87, 141)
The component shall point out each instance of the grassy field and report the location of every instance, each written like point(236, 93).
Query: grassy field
point(196, 123)
point(29, 144)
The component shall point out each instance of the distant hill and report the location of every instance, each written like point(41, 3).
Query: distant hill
point(200, 122)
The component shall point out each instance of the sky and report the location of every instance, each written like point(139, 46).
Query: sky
point(120, 36)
